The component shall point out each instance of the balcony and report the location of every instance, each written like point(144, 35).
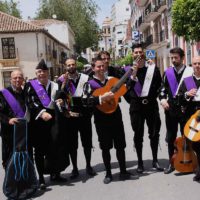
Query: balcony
point(151, 42)
point(151, 13)
point(141, 3)
point(6, 63)
point(142, 25)
point(162, 5)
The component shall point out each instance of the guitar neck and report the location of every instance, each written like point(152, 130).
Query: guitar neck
point(121, 81)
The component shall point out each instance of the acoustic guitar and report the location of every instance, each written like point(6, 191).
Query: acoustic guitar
point(192, 127)
point(117, 87)
point(185, 159)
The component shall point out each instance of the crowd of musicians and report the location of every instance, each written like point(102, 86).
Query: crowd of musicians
point(58, 112)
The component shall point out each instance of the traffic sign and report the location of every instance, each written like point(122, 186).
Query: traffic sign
point(136, 35)
point(150, 53)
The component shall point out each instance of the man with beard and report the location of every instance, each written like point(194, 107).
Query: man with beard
point(169, 99)
point(77, 118)
point(12, 107)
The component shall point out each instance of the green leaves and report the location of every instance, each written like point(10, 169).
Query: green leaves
point(80, 14)
point(186, 19)
point(10, 8)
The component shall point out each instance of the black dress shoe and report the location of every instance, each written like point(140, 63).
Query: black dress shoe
point(128, 176)
point(140, 169)
point(157, 166)
point(57, 178)
point(42, 185)
point(169, 170)
point(107, 179)
point(74, 174)
point(197, 177)
point(90, 171)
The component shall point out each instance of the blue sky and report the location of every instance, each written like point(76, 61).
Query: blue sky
point(29, 8)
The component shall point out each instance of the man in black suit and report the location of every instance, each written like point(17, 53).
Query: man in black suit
point(9, 98)
point(40, 98)
point(143, 90)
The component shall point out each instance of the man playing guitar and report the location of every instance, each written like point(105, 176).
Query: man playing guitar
point(109, 127)
point(190, 99)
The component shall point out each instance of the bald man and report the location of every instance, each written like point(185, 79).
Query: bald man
point(9, 98)
point(190, 99)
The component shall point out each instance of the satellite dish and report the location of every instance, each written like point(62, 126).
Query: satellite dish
point(54, 16)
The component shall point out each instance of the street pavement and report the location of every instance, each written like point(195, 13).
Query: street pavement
point(151, 185)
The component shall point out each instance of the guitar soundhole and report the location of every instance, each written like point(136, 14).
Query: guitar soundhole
point(186, 161)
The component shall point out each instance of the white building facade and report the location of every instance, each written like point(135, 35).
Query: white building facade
point(23, 45)
point(120, 15)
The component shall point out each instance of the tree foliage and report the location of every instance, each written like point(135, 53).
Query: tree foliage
point(80, 14)
point(186, 19)
point(127, 60)
point(10, 7)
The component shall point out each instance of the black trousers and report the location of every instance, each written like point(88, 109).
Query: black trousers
point(173, 120)
point(150, 114)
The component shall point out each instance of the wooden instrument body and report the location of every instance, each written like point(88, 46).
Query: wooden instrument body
point(192, 127)
point(185, 159)
point(110, 106)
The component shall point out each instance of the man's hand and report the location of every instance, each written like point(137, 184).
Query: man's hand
point(192, 92)
point(46, 116)
point(164, 104)
point(107, 97)
point(13, 121)
point(59, 102)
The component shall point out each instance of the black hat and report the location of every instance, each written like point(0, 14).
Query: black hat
point(42, 65)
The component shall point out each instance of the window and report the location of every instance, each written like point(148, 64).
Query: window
point(8, 48)
point(6, 78)
point(119, 41)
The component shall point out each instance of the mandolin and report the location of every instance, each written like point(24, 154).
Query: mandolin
point(192, 127)
point(185, 159)
point(117, 87)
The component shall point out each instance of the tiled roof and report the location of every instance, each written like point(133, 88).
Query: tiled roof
point(44, 22)
point(9, 23)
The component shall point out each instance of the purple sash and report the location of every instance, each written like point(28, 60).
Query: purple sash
point(61, 79)
point(70, 86)
point(94, 84)
point(189, 83)
point(41, 93)
point(126, 68)
point(13, 103)
point(138, 88)
point(173, 84)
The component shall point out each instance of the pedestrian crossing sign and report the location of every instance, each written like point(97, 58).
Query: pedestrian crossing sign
point(150, 53)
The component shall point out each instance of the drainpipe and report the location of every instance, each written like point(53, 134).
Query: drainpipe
point(37, 44)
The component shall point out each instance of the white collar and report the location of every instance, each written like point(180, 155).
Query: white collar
point(99, 79)
point(180, 70)
point(198, 78)
point(47, 86)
